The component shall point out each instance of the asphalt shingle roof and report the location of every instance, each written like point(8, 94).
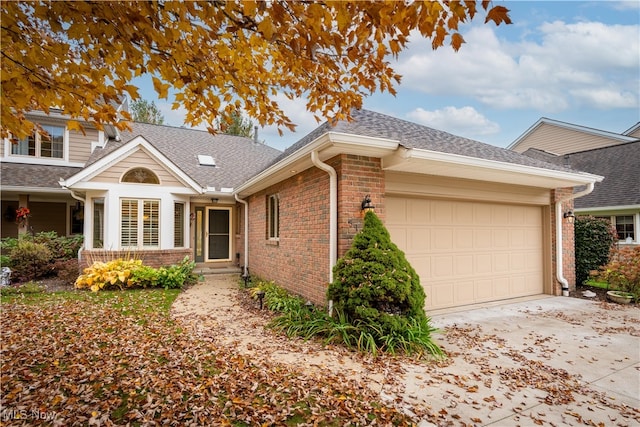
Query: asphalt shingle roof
point(237, 158)
point(619, 165)
point(413, 135)
point(38, 176)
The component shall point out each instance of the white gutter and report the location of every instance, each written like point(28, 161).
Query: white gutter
point(559, 217)
point(333, 211)
point(245, 272)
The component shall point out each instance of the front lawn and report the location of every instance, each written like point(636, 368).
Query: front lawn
point(83, 358)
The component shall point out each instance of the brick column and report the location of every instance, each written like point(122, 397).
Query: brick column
point(358, 176)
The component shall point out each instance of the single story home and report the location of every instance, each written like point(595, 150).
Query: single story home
point(611, 155)
point(478, 223)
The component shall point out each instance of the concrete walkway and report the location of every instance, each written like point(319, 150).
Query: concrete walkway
point(549, 361)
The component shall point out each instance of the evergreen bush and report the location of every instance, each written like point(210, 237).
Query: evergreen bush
point(380, 293)
point(595, 238)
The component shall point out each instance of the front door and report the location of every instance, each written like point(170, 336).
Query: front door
point(218, 234)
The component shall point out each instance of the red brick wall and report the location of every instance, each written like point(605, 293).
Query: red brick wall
point(358, 176)
point(568, 239)
point(152, 258)
point(299, 261)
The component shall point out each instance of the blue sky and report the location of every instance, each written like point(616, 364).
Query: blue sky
point(573, 61)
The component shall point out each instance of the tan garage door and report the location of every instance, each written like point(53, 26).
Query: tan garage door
point(469, 252)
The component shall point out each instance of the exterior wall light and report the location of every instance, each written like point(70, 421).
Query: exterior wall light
point(569, 216)
point(366, 204)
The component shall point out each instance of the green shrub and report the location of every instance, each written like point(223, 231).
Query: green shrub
point(175, 276)
point(143, 277)
point(61, 247)
point(5, 261)
point(276, 298)
point(378, 300)
point(622, 272)
point(378, 290)
point(29, 260)
point(594, 240)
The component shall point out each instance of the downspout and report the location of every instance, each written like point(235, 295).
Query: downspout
point(559, 273)
point(245, 272)
point(84, 202)
point(333, 215)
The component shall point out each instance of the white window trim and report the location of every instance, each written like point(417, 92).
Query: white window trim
point(38, 158)
point(273, 235)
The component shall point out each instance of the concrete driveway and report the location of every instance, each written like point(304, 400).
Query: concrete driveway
point(553, 361)
point(547, 361)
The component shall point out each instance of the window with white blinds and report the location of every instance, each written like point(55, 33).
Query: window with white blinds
point(178, 225)
point(140, 223)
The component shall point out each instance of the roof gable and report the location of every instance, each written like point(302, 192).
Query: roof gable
point(138, 146)
point(561, 138)
point(236, 158)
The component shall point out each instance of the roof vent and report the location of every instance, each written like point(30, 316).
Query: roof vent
point(206, 160)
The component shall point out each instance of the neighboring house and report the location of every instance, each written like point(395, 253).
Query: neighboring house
point(614, 156)
point(478, 223)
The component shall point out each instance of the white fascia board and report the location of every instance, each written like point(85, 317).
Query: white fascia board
point(341, 141)
point(580, 178)
point(34, 190)
point(120, 154)
point(124, 188)
point(609, 208)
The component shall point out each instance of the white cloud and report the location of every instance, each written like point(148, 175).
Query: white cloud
point(549, 74)
point(604, 98)
point(459, 121)
point(626, 5)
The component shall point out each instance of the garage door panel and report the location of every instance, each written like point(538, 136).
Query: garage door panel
point(484, 264)
point(500, 238)
point(483, 289)
point(419, 211)
point(464, 238)
point(482, 214)
point(419, 239)
point(464, 292)
point(441, 266)
point(442, 294)
point(464, 265)
point(469, 252)
point(500, 287)
point(482, 238)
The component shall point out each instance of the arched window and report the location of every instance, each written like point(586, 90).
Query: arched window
point(141, 176)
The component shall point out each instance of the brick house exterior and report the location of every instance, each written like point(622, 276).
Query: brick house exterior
point(299, 258)
point(477, 222)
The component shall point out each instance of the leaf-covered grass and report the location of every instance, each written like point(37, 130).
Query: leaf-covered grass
point(119, 358)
